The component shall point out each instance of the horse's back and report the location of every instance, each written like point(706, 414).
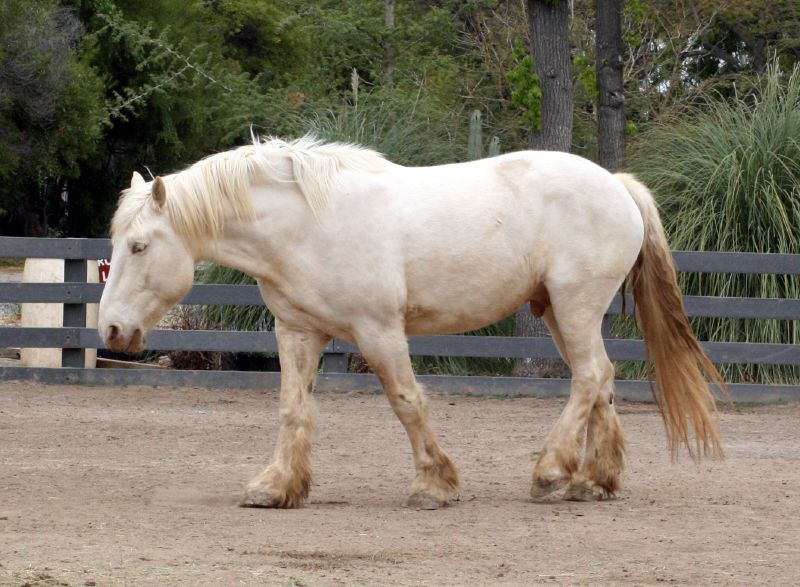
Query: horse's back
point(542, 189)
point(542, 207)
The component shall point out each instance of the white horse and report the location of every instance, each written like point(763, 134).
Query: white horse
point(345, 244)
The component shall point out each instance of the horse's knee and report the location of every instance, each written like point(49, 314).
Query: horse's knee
point(408, 403)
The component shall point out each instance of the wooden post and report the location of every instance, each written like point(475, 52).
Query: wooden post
point(74, 314)
point(334, 363)
point(335, 360)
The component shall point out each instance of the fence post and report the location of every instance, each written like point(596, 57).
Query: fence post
point(74, 314)
point(334, 360)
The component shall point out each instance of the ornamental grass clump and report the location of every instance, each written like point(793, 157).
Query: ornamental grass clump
point(727, 178)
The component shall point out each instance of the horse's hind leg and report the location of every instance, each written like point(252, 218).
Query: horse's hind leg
point(604, 458)
point(286, 481)
point(386, 351)
point(578, 311)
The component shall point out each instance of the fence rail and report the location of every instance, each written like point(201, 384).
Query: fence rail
point(444, 345)
point(243, 295)
point(74, 336)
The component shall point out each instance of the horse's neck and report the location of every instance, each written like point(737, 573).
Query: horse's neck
point(237, 253)
point(253, 246)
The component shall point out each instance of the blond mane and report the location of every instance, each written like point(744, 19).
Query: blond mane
point(201, 197)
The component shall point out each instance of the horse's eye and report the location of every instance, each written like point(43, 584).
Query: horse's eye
point(138, 248)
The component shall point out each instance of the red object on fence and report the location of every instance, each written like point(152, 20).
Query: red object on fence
point(103, 267)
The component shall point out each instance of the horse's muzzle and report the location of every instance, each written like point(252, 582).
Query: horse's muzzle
point(119, 341)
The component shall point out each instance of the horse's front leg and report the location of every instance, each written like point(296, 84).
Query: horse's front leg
point(286, 481)
point(436, 481)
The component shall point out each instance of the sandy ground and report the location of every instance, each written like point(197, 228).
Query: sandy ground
point(137, 486)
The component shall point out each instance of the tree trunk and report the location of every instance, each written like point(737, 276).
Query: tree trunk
point(760, 55)
point(549, 29)
point(611, 98)
point(388, 46)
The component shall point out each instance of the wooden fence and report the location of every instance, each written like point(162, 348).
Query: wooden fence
point(74, 337)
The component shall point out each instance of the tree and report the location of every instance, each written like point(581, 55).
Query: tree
point(611, 97)
point(50, 111)
point(176, 89)
point(388, 45)
point(746, 34)
point(549, 33)
point(549, 30)
point(677, 52)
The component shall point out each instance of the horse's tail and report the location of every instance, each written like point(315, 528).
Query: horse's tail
point(681, 392)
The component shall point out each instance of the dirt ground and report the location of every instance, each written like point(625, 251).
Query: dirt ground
point(139, 486)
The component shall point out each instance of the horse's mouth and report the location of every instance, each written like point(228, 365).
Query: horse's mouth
point(121, 344)
point(136, 348)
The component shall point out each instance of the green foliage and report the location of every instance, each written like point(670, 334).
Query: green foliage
point(409, 132)
point(526, 93)
point(266, 39)
point(421, 48)
point(727, 177)
point(81, 119)
point(165, 82)
point(186, 74)
point(171, 97)
point(634, 13)
point(583, 66)
point(749, 33)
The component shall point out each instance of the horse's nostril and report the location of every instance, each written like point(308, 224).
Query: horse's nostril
point(112, 333)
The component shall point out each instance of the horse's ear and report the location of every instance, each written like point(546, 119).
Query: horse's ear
point(159, 192)
point(136, 179)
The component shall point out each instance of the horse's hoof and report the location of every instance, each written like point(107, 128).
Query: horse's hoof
point(543, 487)
point(582, 492)
point(423, 501)
point(261, 496)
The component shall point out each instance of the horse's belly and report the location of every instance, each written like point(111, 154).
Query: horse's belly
point(464, 304)
point(421, 321)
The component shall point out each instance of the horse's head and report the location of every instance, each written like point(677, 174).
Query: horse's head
point(151, 267)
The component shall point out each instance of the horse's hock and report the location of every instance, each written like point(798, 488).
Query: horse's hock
point(50, 315)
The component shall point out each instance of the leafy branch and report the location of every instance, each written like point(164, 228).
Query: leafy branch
point(526, 93)
point(153, 52)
